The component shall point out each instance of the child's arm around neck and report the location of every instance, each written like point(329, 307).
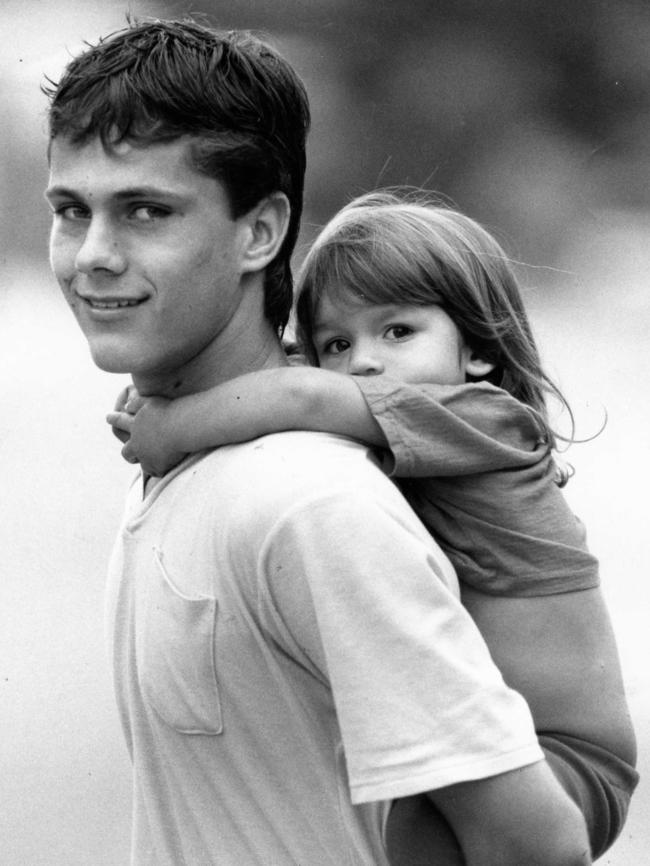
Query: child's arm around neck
point(255, 404)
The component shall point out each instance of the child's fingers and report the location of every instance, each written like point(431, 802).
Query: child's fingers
point(123, 397)
point(120, 421)
point(134, 403)
point(128, 454)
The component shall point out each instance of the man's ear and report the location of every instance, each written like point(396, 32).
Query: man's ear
point(268, 222)
point(475, 366)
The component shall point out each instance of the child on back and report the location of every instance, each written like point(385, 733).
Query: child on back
point(413, 321)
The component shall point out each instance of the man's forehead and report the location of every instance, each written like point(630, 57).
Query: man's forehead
point(64, 150)
point(123, 165)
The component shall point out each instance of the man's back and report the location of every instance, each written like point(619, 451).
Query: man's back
point(276, 610)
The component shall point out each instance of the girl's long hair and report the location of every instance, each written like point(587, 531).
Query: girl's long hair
point(403, 247)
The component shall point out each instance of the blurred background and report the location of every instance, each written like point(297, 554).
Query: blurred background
point(533, 118)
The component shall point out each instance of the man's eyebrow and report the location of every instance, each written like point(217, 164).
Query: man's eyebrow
point(59, 192)
point(123, 194)
point(147, 192)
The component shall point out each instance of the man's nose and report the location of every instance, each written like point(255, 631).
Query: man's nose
point(100, 249)
point(365, 362)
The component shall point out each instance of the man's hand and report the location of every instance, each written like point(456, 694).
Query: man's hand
point(139, 422)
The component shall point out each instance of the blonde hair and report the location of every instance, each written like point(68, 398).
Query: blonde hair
point(403, 247)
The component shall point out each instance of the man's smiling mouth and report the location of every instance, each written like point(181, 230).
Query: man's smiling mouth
point(110, 303)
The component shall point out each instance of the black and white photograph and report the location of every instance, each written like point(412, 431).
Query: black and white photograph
point(324, 450)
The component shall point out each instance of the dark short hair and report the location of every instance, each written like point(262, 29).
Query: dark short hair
point(237, 97)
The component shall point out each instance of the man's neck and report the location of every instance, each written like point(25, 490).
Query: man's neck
point(248, 344)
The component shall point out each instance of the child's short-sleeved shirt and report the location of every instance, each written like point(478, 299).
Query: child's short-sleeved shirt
point(473, 463)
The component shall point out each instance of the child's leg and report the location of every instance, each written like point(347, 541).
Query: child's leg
point(418, 835)
point(600, 782)
point(559, 652)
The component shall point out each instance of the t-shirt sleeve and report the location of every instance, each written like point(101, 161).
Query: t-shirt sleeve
point(419, 702)
point(472, 462)
point(451, 430)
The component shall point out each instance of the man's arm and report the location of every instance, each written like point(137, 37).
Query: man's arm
point(515, 818)
point(419, 702)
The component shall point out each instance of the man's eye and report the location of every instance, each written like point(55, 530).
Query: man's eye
point(398, 332)
point(71, 212)
point(335, 347)
point(146, 213)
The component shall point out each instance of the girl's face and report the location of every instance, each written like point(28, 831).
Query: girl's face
point(416, 344)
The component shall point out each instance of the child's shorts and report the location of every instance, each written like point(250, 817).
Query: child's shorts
point(600, 782)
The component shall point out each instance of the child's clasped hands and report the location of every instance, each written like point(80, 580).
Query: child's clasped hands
point(140, 423)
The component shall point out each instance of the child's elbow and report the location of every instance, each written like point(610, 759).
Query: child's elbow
point(304, 398)
point(308, 400)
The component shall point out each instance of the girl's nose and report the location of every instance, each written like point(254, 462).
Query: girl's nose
point(99, 250)
point(364, 362)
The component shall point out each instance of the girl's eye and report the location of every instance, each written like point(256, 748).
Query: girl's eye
point(398, 332)
point(335, 347)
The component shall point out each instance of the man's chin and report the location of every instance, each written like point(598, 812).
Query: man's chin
point(111, 361)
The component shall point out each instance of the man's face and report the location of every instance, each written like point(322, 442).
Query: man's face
point(146, 253)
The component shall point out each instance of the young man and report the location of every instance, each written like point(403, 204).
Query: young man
point(289, 650)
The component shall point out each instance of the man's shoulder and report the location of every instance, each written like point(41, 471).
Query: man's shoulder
point(303, 446)
point(299, 482)
point(300, 458)
point(282, 470)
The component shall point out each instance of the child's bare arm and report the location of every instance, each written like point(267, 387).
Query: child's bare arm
point(268, 401)
point(271, 401)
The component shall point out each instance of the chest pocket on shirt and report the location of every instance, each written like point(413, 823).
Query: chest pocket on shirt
point(178, 672)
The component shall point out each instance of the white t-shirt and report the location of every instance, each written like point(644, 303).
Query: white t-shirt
point(290, 654)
